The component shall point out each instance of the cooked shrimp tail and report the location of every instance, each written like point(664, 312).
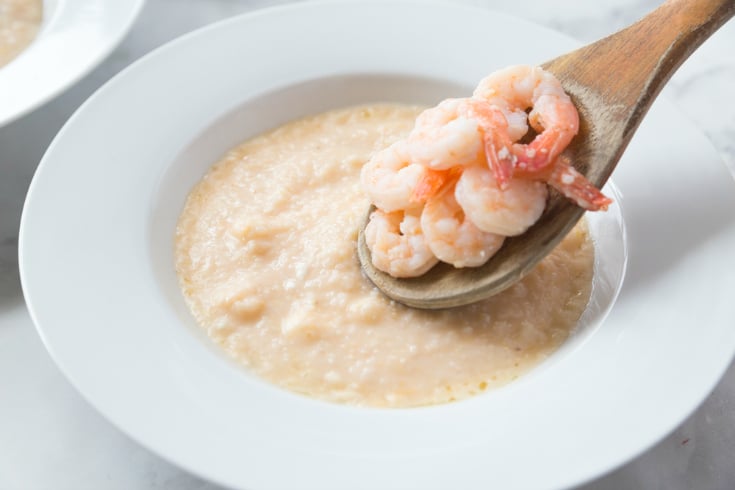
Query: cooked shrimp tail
point(500, 165)
point(431, 182)
point(497, 142)
point(534, 157)
point(572, 184)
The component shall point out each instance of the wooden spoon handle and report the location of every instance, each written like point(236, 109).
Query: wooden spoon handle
point(628, 69)
point(614, 80)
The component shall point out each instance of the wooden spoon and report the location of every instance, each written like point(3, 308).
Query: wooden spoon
point(613, 83)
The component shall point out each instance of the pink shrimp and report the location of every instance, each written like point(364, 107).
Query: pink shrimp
point(444, 138)
point(452, 237)
point(490, 133)
point(510, 211)
point(496, 138)
point(389, 178)
point(575, 186)
point(553, 115)
point(433, 181)
point(397, 243)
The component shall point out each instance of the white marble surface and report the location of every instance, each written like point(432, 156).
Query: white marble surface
point(51, 439)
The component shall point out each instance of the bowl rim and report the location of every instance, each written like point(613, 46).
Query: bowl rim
point(76, 37)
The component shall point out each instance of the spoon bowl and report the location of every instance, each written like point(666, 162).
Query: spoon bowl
point(612, 82)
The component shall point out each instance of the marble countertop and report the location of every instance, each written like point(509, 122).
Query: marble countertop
point(50, 438)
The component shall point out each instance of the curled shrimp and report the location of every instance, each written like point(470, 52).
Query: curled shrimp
point(510, 211)
point(389, 178)
point(553, 115)
point(442, 138)
point(458, 133)
point(397, 243)
point(452, 237)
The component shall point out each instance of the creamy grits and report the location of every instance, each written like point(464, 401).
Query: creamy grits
point(266, 258)
point(19, 23)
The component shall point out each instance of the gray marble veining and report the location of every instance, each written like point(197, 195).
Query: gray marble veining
point(51, 438)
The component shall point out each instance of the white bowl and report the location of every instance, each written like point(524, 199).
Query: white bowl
point(97, 270)
point(74, 37)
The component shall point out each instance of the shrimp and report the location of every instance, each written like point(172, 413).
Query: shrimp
point(457, 133)
point(397, 243)
point(432, 182)
point(389, 178)
point(442, 139)
point(553, 115)
point(565, 179)
point(496, 138)
point(452, 237)
point(506, 212)
point(517, 123)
